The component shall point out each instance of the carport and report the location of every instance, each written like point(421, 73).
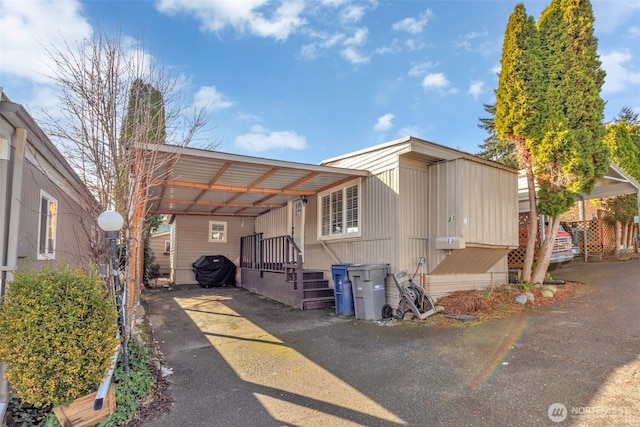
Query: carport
point(616, 182)
point(190, 181)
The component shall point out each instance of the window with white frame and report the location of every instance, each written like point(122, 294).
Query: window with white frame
point(47, 226)
point(167, 246)
point(217, 231)
point(339, 212)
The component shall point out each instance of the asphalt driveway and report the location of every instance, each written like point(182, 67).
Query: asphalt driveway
point(238, 359)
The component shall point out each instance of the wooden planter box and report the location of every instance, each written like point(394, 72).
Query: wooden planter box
point(80, 412)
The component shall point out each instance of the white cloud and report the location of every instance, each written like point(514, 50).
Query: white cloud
point(334, 3)
point(350, 53)
point(413, 25)
point(358, 39)
point(476, 41)
point(352, 14)
point(25, 27)
point(420, 69)
point(409, 131)
point(390, 49)
point(634, 32)
point(209, 97)
point(243, 16)
point(384, 123)
point(312, 51)
point(262, 139)
point(619, 77)
point(353, 56)
point(437, 81)
point(414, 45)
point(308, 52)
point(248, 117)
point(476, 88)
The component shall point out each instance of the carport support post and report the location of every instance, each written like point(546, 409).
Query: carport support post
point(584, 230)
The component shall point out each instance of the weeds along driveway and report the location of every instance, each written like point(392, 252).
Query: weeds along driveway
point(238, 359)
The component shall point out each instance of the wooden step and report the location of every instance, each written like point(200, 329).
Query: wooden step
point(315, 283)
point(318, 293)
point(316, 303)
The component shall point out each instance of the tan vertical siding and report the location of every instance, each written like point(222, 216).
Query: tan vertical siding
point(274, 223)
point(413, 214)
point(474, 202)
point(192, 242)
point(157, 244)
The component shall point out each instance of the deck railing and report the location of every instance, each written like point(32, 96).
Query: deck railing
point(277, 254)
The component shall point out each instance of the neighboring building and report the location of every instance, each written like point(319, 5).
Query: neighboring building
point(160, 243)
point(393, 204)
point(46, 212)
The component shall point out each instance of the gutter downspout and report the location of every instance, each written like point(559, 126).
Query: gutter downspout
point(10, 265)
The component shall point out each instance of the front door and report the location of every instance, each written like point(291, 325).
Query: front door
point(297, 223)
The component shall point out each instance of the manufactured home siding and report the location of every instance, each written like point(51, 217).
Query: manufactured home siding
point(273, 223)
point(413, 214)
point(490, 202)
point(473, 202)
point(376, 244)
point(73, 226)
point(157, 244)
point(192, 242)
point(375, 162)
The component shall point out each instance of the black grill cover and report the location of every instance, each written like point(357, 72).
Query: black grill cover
point(214, 270)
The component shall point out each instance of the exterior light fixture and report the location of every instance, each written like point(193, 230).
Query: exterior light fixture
point(111, 222)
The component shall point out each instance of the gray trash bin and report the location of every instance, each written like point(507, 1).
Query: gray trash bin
point(368, 289)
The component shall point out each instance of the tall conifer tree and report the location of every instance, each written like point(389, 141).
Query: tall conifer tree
point(519, 110)
point(570, 155)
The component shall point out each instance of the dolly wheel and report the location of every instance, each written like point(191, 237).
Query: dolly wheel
point(387, 311)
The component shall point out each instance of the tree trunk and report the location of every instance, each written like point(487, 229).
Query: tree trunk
point(544, 256)
point(532, 228)
point(618, 239)
point(625, 231)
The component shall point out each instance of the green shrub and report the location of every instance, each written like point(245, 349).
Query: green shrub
point(57, 333)
point(133, 388)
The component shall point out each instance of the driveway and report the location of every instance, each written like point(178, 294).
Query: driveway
point(238, 359)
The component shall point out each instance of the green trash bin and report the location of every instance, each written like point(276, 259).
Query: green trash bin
point(368, 289)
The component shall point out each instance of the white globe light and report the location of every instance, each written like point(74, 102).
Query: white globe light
point(110, 221)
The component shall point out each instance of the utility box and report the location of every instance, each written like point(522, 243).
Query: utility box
point(368, 289)
point(342, 290)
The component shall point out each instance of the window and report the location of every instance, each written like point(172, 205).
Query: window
point(167, 246)
point(340, 212)
point(47, 226)
point(218, 231)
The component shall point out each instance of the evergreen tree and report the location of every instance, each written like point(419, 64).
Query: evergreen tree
point(519, 109)
point(494, 148)
point(570, 155)
point(623, 138)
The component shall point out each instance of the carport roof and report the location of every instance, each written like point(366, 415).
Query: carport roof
point(616, 182)
point(190, 181)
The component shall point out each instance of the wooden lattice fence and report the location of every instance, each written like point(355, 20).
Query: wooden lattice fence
point(600, 238)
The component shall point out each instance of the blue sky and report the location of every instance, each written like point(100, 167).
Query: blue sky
point(307, 80)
